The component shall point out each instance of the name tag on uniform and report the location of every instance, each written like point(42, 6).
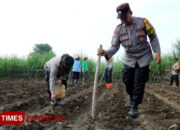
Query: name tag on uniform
point(140, 34)
point(124, 37)
point(142, 39)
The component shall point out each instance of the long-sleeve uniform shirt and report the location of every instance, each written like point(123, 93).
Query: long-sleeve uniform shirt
point(133, 38)
point(53, 67)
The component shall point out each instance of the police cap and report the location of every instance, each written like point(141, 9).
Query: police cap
point(122, 10)
point(67, 61)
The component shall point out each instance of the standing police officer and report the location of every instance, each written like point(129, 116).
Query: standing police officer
point(132, 34)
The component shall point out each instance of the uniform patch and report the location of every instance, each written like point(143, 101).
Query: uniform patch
point(147, 22)
point(138, 26)
point(115, 31)
point(140, 34)
point(123, 38)
point(149, 28)
point(141, 39)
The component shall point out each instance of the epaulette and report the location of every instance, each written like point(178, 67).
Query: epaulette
point(118, 27)
point(139, 18)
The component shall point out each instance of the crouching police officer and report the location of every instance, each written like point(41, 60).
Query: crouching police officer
point(57, 68)
point(132, 35)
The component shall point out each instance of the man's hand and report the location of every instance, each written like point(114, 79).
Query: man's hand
point(101, 52)
point(157, 58)
point(53, 97)
point(59, 82)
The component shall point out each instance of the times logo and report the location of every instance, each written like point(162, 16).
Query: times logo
point(18, 117)
point(12, 117)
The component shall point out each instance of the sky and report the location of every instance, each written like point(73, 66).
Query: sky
point(79, 26)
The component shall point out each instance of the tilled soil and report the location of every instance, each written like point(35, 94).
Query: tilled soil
point(160, 109)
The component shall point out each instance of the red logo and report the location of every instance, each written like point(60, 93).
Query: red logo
point(139, 26)
point(12, 117)
point(115, 31)
point(124, 38)
point(18, 117)
point(45, 118)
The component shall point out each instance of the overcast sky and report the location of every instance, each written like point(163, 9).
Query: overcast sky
point(74, 26)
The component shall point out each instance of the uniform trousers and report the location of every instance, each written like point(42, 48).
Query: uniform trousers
point(176, 78)
point(134, 80)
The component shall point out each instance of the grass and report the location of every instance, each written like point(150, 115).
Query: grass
point(33, 65)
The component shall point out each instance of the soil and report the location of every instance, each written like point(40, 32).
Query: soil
point(160, 109)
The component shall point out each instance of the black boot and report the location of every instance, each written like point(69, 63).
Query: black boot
point(53, 103)
point(58, 100)
point(128, 105)
point(134, 110)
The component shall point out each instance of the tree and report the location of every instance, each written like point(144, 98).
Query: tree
point(42, 48)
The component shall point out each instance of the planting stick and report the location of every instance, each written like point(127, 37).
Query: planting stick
point(101, 78)
point(95, 85)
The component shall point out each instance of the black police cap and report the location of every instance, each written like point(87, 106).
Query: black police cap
point(67, 61)
point(123, 9)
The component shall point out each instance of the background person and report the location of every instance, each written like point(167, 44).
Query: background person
point(76, 71)
point(108, 72)
point(84, 70)
point(174, 73)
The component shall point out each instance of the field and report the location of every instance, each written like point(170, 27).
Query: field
point(160, 109)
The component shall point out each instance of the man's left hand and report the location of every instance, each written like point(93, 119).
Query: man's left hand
point(157, 58)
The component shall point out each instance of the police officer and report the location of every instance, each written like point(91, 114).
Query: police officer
point(132, 35)
point(57, 68)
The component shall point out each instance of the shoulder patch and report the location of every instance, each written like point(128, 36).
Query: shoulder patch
point(149, 28)
point(115, 31)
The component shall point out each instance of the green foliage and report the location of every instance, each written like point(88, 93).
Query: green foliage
point(118, 68)
point(11, 66)
point(37, 61)
point(34, 64)
point(160, 72)
point(42, 48)
point(14, 66)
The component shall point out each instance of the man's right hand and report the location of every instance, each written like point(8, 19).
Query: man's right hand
point(101, 52)
point(53, 97)
point(157, 58)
